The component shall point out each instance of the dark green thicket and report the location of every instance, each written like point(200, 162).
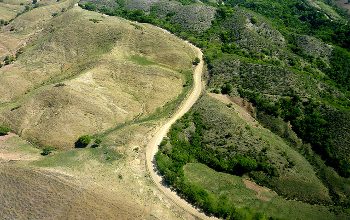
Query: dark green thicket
point(339, 70)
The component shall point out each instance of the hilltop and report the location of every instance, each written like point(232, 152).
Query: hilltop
point(85, 73)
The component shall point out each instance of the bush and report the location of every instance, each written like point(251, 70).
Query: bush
point(83, 141)
point(4, 130)
point(47, 151)
point(196, 61)
point(9, 59)
point(97, 143)
point(3, 22)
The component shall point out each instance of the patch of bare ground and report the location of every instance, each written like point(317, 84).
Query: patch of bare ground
point(10, 150)
point(343, 4)
point(6, 137)
point(9, 156)
point(262, 193)
point(242, 107)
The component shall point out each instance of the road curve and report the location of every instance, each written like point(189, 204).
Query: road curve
point(152, 146)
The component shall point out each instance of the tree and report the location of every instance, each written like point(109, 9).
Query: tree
point(83, 141)
point(226, 88)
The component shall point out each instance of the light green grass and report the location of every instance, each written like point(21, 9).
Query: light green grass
point(17, 144)
point(144, 61)
point(77, 158)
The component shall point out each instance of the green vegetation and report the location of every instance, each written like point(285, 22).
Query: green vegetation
point(226, 88)
point(76, 158)
point(4, 130)
point(3, 22)
point(97, 143)
point(214, 135)
point(9, 59)
point(47, 150)
point(141, 60)
point(83, 141)
point(196, 61)
point(231, 191)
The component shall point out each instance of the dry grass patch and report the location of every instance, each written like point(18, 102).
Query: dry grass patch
point(39, 194)
point(8, 12)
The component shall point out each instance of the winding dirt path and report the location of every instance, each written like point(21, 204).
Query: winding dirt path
point(152, 146)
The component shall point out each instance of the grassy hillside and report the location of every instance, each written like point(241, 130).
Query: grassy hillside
point(278, 136)
point(67, 72)
point(290, 59)
point(85, 73)
point(29, 193)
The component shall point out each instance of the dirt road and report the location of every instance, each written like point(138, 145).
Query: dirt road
point(152, 146)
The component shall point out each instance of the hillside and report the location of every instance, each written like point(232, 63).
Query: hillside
point(268, 138)
point(37, 189)
point(85, 73)
point(67, 72)
point(289, 62)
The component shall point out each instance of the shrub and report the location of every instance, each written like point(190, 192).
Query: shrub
point(59, 85)
point(9, 59)
point(254, 20)
point(88, 6)
point(196, 61)
point(97, 143)
point(83, 141)
point(47, 151)
point(3, 22)
point(4, 130)
point(216, 91)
